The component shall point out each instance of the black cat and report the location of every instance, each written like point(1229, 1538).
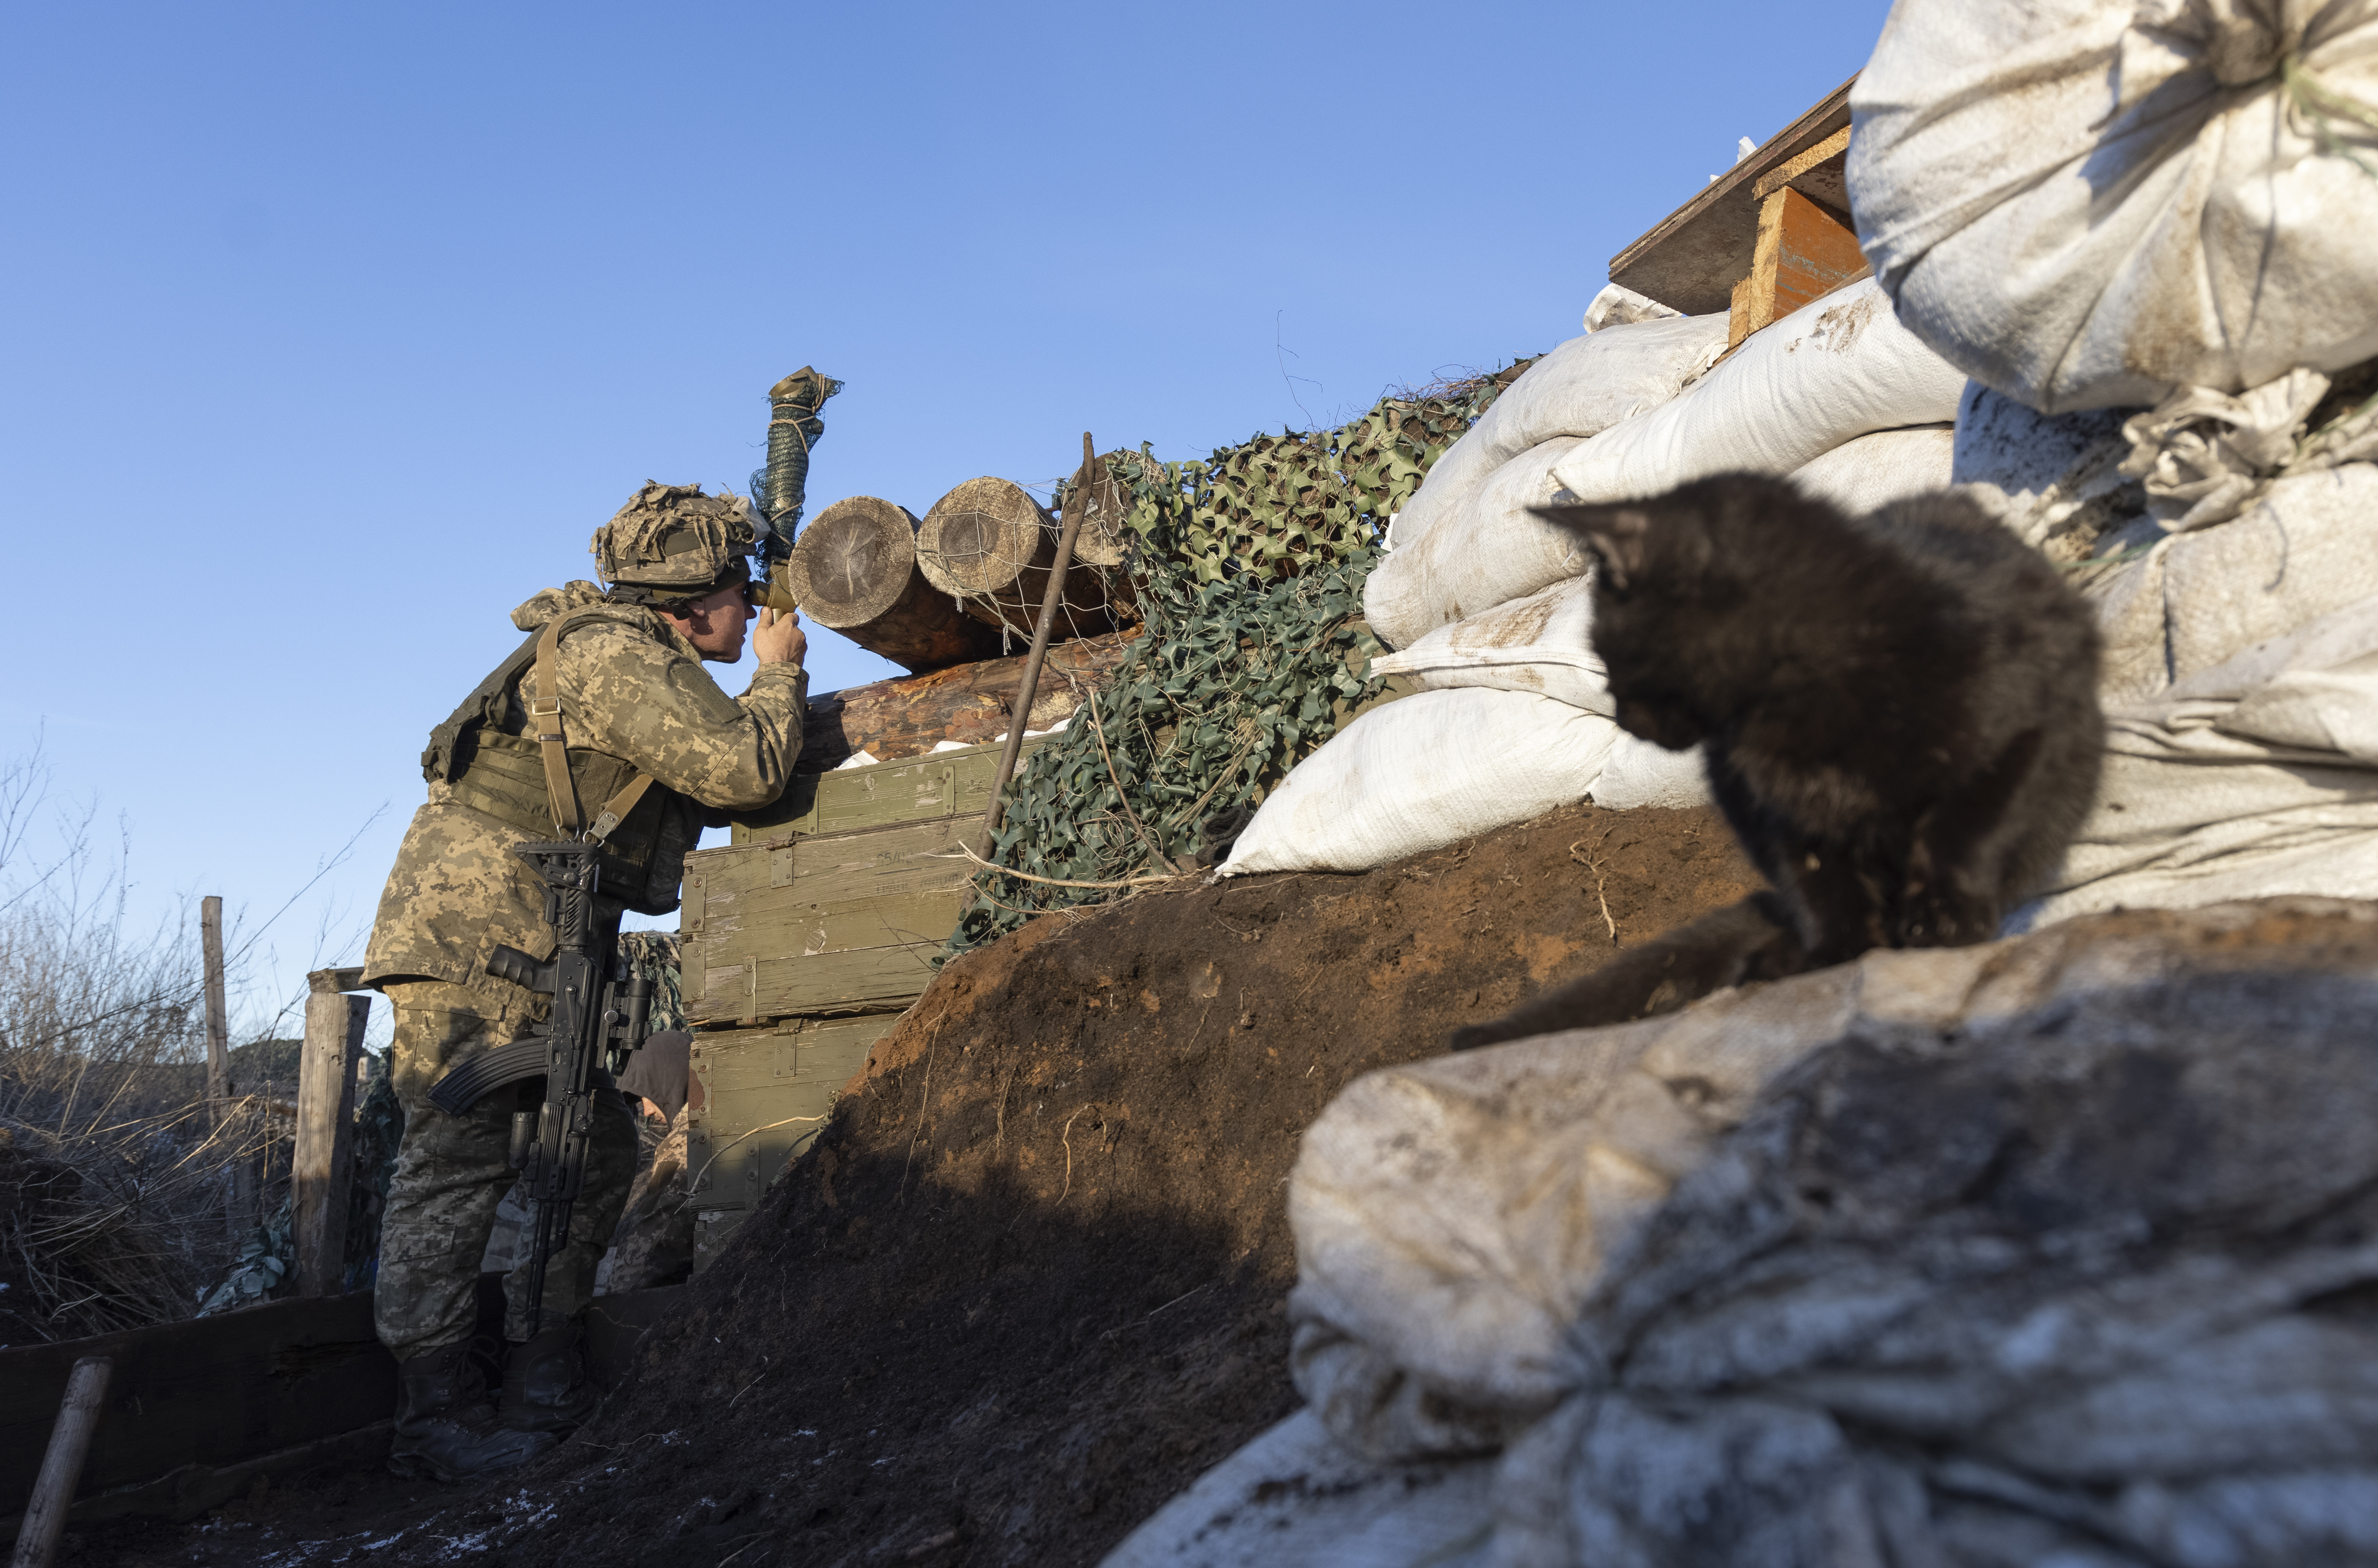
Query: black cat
point(1899, 714)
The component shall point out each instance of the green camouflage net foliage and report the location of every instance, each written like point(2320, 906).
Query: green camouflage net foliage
point(1249, 570)
point(653, 955)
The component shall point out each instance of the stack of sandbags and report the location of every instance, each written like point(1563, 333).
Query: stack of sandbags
point(1836, 370)
point(1489, 606)
point(2052, 1251)
point(2151, 235)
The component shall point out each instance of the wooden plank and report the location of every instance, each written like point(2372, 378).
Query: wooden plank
point(1817, 254)
point(1804, 253)
point(763, 905)
point(854, 800)
point(894, 862)
point(249, 1383)
point(879, 798)
point(1822, 174)
point(765, 1095)
point(865, 980)
point(185, 1492)
point(853, 925)
point(752, 908)
point(1690, 259)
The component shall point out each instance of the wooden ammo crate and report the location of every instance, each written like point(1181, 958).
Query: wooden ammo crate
point(834, 903)
point(767, 1093)
point(802, 942)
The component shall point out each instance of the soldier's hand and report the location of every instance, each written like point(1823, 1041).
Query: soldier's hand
point(779, 640)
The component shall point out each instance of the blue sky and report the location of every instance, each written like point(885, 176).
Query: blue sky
point(332, 331)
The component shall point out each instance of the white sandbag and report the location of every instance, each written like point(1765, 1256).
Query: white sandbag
point(1492, 550)
point(1420, 773)
point(1295, 1495)
point(1617, 305)
point(1836, 369)
point(1637, 773)
point(1885, 1254)
point(1872, 471)
point(1542, 643)
point(2258, 775)
point(2086, 204)
point(2307, 548)
point(2055, 480)
point(1582, 387)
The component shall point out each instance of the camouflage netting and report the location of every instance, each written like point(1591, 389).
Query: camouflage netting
point(1249, 570)
point(794, 428)
point(653, 955)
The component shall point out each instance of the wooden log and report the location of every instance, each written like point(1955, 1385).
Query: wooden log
point(988, 544)
point(895, 719)
point(1105, 538)
point(321, 1161)
point(854, 569)
point(54, 1489)
point(239, 1207)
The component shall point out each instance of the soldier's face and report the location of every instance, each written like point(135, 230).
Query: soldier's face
point(715, 626)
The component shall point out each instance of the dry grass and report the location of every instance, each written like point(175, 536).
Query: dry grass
point(116, 1177)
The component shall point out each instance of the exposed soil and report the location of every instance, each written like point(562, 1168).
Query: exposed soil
point(1032, 1280)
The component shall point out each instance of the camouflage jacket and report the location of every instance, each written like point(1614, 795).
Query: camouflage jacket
point(632, 688)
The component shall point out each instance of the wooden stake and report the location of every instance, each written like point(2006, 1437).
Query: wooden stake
point(45, 1511)
point(237, 1220)
point(1075, 506)
point(320, 1163)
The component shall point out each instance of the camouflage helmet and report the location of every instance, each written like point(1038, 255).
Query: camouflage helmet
point(671, 543)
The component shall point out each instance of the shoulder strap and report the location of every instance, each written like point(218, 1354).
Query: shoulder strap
point(544, 728)
point(484, 705)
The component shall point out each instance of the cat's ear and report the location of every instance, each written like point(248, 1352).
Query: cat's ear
point(1614, 535)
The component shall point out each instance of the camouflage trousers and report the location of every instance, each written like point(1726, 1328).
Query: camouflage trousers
point(452, 1172)
point(654, 1242)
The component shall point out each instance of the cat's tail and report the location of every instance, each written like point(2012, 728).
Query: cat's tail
point(1751, 940)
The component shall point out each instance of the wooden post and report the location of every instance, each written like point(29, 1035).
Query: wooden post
point(54, 1489)
point(1807, 248)
point(320, 1165)
point(1075, 506)
point(237, 1217)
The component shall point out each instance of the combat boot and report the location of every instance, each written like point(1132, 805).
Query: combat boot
point(545, 1386)
point(445, 1426)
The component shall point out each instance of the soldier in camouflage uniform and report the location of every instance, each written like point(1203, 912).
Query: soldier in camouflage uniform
point(634, 701)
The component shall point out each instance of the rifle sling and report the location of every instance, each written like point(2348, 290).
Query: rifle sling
point(544, 728)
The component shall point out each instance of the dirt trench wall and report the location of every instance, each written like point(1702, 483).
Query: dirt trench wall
point(1031, 1282)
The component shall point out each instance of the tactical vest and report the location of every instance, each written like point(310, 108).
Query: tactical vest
point(538, 783)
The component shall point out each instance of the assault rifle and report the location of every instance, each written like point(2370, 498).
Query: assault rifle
point(594, 1021)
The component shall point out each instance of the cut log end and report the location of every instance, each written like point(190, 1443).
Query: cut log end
point(990, 544)
point(983, 536)
point(855, 569)
point(853, 561)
